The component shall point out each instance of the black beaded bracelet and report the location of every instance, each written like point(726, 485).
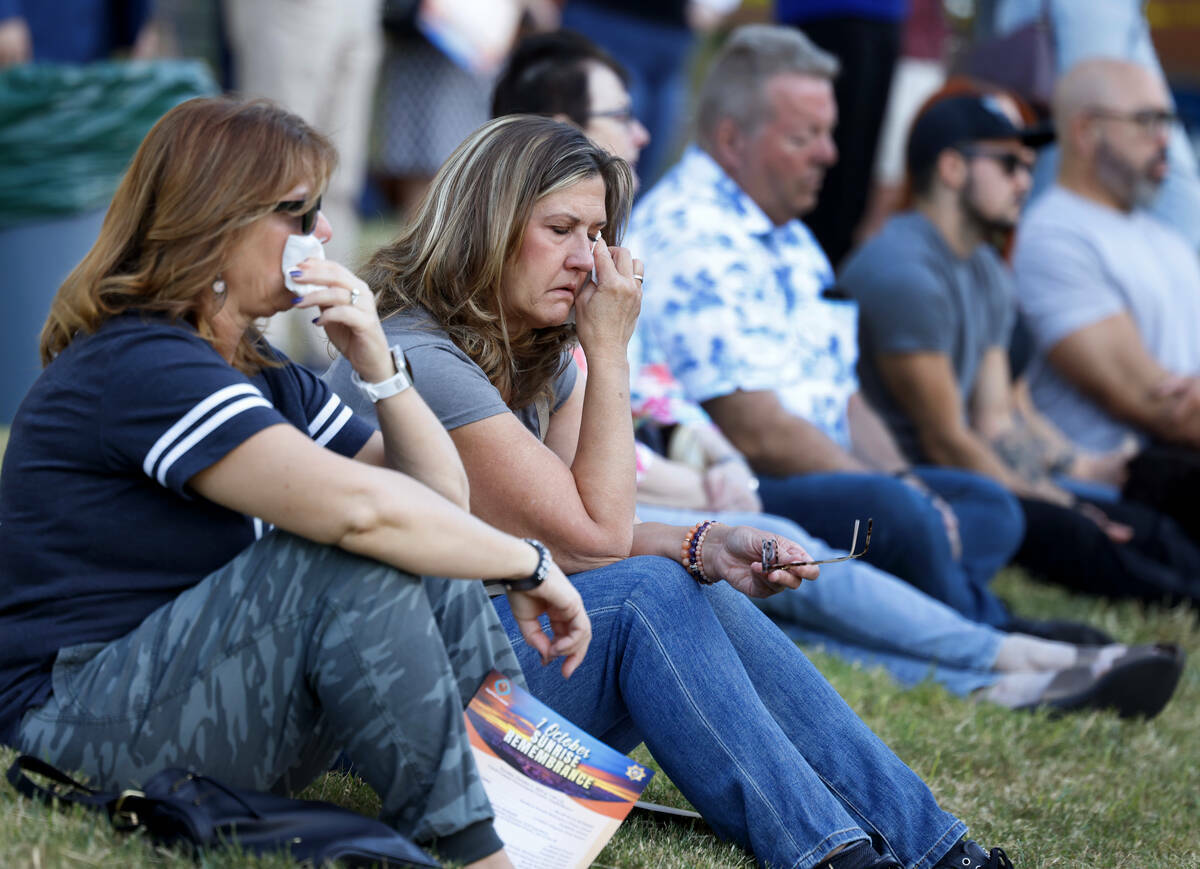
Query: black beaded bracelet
point(692, 556)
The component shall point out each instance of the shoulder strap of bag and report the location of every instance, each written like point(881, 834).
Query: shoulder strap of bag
point(124, 810)
point(70, 791)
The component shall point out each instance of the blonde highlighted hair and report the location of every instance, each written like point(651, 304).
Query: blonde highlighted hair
point(208, 169)
point(451, 257)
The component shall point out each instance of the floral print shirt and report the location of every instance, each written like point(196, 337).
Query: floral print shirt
point(732, 301)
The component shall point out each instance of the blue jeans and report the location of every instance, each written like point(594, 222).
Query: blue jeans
point(910, 540)
point(738, 718)
point(858, 612)
point(1090, 490)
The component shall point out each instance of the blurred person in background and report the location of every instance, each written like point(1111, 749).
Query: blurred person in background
point(568, 77)
point(1110, 291)
point(936, 311)
point(861, 614)
point(438, 75)
point(320, 59)
point(427, 105)
point(341, 44)
point(865, 36)
point(653, 40)
point(73, 115)
point(74, 31)
point(1118, 29)
point(920, 71)
point(736, 303)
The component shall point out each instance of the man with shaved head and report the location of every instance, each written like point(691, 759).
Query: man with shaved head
point(1112, 294)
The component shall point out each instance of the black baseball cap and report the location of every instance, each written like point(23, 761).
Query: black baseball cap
point(962, 120)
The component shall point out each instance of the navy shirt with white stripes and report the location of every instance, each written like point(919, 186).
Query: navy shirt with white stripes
point(98, 527)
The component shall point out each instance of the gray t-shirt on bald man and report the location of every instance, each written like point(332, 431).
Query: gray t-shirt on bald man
point(916, 295)
point(454, 387)
point(1078, 262)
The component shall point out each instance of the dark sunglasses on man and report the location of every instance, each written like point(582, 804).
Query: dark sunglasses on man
point(1009, 162)
point(308, 219)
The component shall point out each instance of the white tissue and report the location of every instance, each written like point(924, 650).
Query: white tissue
point(297, 249)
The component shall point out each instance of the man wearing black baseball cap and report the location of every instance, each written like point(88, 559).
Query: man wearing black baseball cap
point(936, 313)
point(961, 121)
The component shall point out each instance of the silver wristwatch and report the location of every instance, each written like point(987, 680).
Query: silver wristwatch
point(398, 382)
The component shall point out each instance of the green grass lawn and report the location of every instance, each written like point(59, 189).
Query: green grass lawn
point(1079, 792)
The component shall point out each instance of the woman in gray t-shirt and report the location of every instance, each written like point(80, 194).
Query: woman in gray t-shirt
point(480, 288)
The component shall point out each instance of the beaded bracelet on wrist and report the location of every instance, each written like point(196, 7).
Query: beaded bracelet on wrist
point(691, 552)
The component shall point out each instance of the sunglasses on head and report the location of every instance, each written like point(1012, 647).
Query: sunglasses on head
point(1009, 162)
point(308, 219)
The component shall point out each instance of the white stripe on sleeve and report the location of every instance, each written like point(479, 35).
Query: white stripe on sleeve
point(334, 427)
point(326, 412)
point(191, 418)
point(202, 431)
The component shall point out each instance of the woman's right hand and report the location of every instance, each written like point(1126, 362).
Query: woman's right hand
point(606, 313)
point(346, 309)
point(569, 624)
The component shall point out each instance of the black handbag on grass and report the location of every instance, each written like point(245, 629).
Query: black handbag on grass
point(178, 807)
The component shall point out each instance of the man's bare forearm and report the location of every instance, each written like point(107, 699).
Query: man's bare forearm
point(966, 449)
point(794, 446)
point(870, 438)
point(774, 440)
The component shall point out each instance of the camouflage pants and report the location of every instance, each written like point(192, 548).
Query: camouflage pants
point(262, 672)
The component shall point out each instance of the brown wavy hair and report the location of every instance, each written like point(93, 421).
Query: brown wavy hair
point(207, 170)
point(450, 258)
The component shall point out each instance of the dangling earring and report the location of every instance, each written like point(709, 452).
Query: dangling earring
point(218, 286)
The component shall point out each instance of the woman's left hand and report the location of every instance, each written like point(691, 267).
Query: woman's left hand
point(346, 311)
point(735, 555)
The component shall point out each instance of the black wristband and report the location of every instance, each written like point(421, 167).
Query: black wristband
point(495, 586)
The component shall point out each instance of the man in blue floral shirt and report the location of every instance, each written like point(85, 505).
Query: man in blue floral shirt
point(740, 299)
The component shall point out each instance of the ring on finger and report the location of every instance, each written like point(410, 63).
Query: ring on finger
point(354, 294)
point(638, 278)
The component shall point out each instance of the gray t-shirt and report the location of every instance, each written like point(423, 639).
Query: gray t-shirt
point(454, 387)
point(917, 295)
point(1078, 262)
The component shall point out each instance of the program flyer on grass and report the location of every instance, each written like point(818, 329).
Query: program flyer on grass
point(558, 792)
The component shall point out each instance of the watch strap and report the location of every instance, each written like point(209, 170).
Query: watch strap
point(393, 385)
point(496, 587)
